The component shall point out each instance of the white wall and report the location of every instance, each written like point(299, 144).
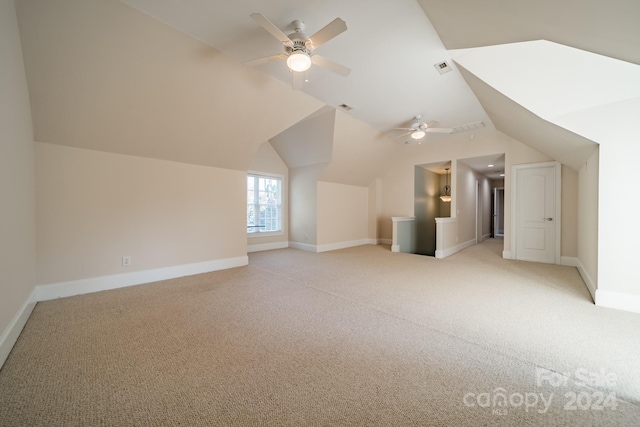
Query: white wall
point(466, 179)
point(618, 225)
point(343, 213)
point(570, 191)
point(267, 160)
point(588, 222)
point(464, 193)
point(375, 208)
point(95, 207)
point(17, 184)
point(303, 204)
point(397, 180)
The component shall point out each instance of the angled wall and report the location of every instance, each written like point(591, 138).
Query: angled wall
point(17, 186)
point(334, 160)
point(105, 77)
point(144, 137)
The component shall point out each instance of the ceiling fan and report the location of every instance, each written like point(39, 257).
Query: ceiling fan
point(418, 128)
point(299, 49)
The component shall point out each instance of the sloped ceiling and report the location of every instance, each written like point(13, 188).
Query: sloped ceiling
point(390, 46)
point(360, 152)
point(552, 81)
point(521, 124)
point(105, 77)
point(309, 141)
point(547, 100)
point(604, 27)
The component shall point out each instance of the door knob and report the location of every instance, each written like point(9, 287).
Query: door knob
point(548, 219)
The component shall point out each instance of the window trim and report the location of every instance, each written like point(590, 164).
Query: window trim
point(282, 203)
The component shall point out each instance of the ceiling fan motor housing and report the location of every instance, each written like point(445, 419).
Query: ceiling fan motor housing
point(299, 45)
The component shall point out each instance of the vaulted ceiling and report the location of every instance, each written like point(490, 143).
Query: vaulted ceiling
point(104, 76)
point(607, 28)
point(558, 76)
point(392, 47)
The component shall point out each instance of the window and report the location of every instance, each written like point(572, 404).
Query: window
point(264, 204)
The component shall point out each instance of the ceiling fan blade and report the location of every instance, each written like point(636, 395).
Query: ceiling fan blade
point(323, 62)
point(439, 130)
point(265, 60)
point(403, 135)
point(411, 129)
point(332, 29)
point(275, 31)
point(298, 79)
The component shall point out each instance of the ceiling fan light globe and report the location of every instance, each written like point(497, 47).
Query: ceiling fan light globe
point(418, 134)
point(299, 62)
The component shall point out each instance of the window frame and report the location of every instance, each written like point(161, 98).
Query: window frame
point(259, 174)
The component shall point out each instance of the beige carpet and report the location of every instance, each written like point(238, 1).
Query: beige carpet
point(359, 336)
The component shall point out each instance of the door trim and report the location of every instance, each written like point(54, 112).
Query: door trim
point(496, 211)
point(514, 197)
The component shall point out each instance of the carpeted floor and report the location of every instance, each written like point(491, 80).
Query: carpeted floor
point(356, 337)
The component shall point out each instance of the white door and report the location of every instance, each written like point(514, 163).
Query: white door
point(537, 213)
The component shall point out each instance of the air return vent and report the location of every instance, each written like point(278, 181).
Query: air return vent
point(345, 107)
point(468, 126)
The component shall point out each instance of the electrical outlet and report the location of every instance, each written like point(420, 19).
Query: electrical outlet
point(126, 261)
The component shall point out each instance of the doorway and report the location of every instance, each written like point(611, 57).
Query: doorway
point(498, 212)
point(429, 182)
point(535, 234)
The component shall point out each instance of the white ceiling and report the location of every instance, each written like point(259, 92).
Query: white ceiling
point(490, 166)
point(542, 90)
point(391, 48)
point(609, 28)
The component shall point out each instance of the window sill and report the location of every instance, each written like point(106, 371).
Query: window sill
point(265, 234)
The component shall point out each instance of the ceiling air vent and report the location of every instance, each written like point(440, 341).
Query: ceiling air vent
point(345, 107)
point(468, 126)
point(442, 67)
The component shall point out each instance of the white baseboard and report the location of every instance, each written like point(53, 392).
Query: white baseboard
point(618, 300)
point(303, 246)
point(457, 248)
point(507, 255)
point(12, 331)
point(569, 261)
point(485, 237)
point(97, 284)
point(341, 245)
point(395, 248)
point(267, 246)
point(588, 280)
point(331, 246)
point(385, 242)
